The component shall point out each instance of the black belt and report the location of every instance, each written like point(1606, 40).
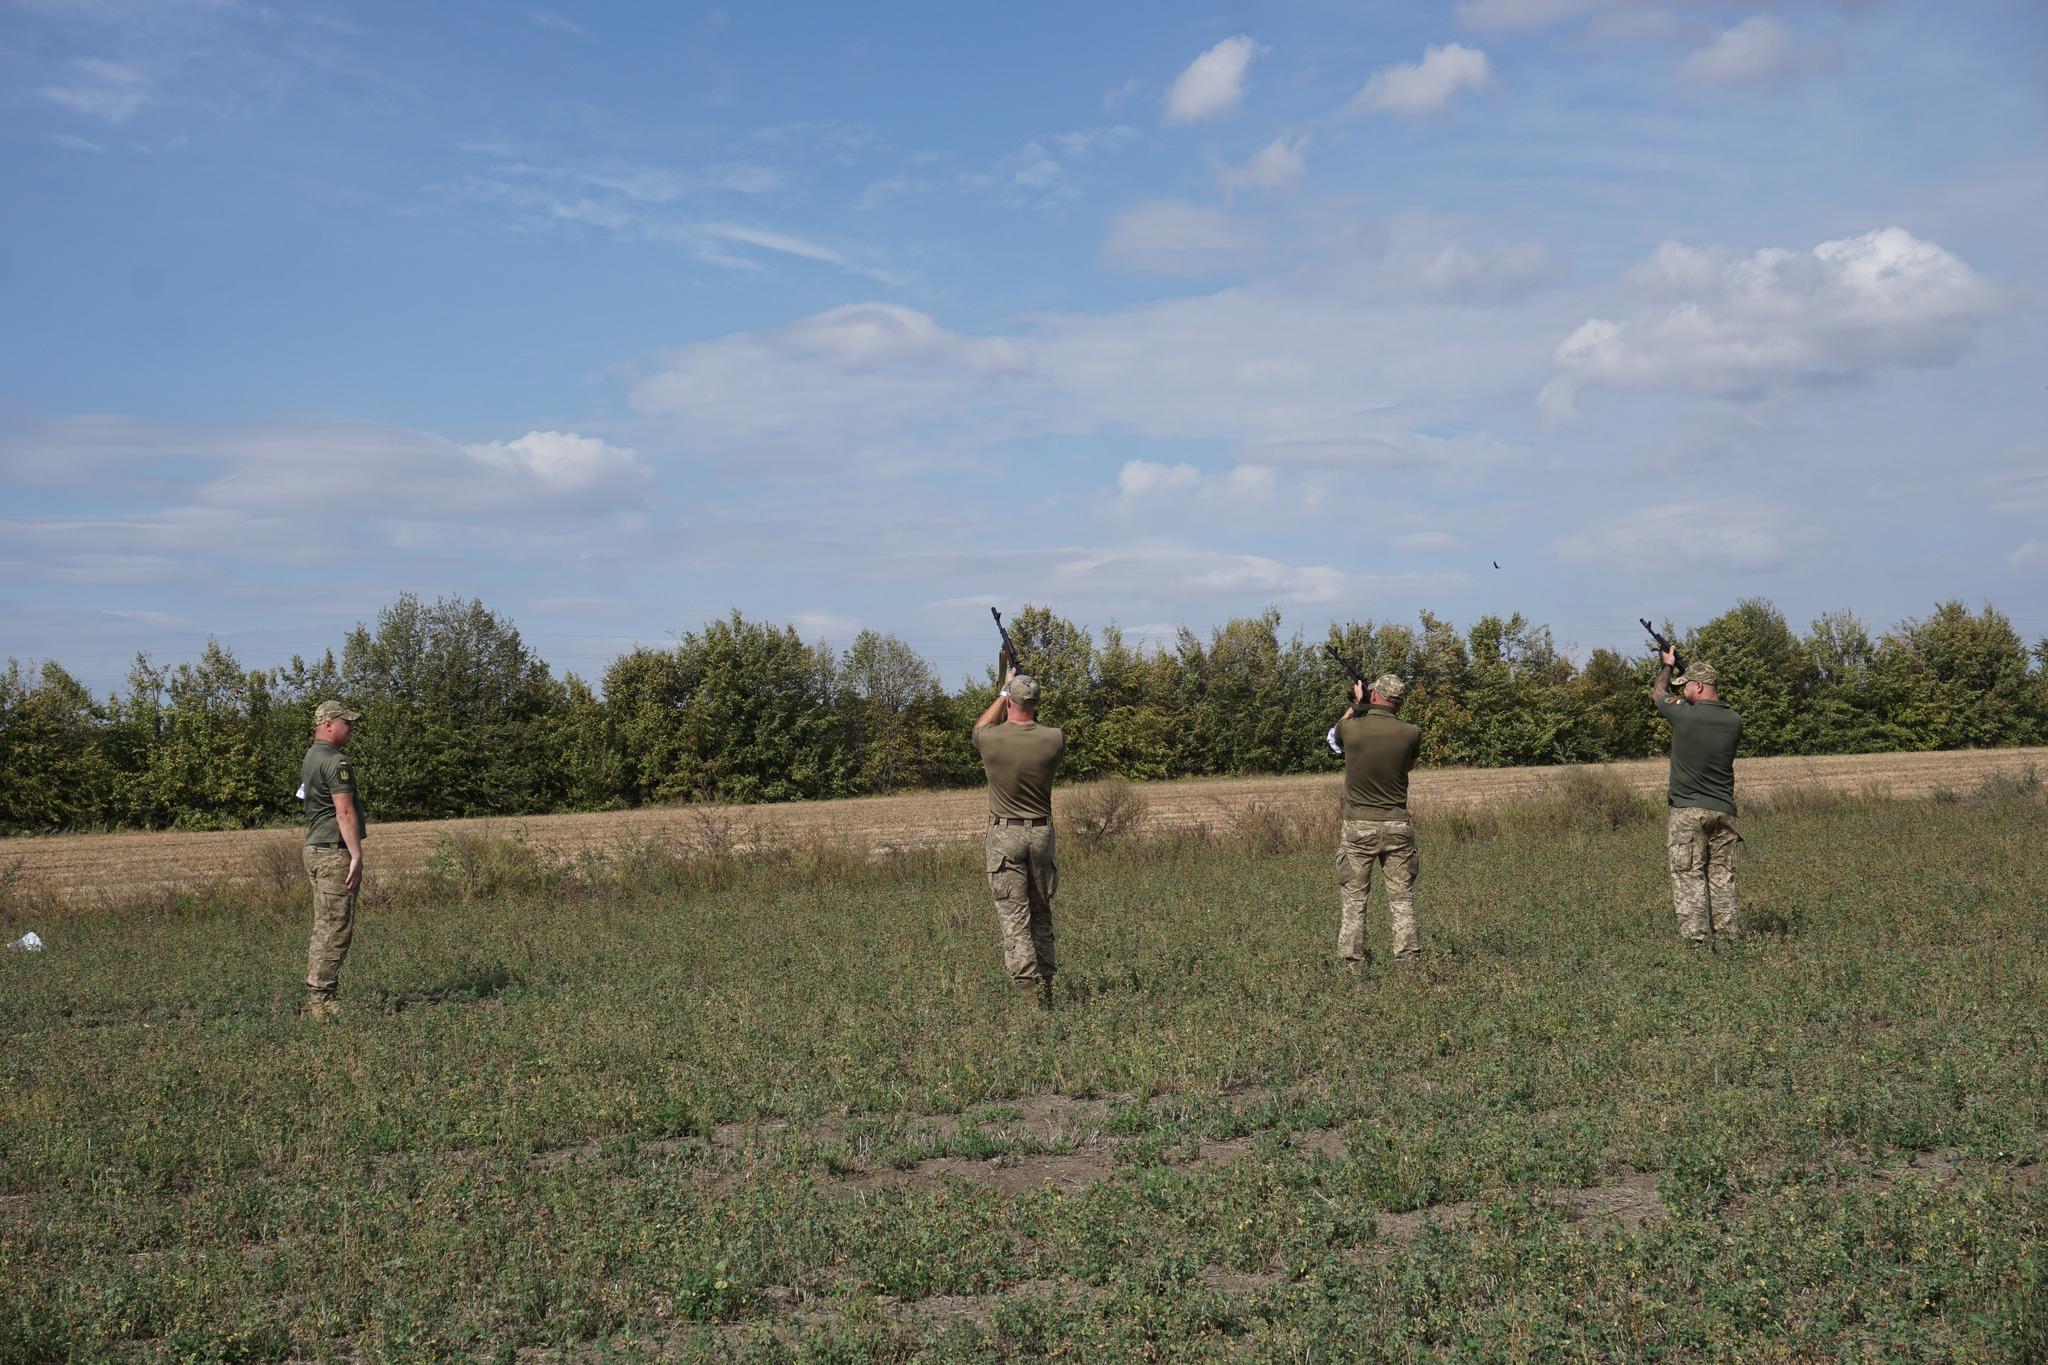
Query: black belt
point(323, 845)
point(1006, 820)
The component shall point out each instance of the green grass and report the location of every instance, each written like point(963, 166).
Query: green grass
point(520, 1138)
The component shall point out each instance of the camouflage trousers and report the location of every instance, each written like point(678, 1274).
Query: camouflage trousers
point(1701, 845)
point(334, 918)
point(1389, 844)
point(1024, 878)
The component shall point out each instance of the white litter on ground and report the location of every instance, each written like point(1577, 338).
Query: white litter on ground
point(30, 942)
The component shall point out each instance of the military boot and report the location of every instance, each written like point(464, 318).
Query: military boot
point(320, 1007)
point(1039, 992)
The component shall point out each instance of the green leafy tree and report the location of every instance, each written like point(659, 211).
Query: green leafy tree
point(206, 767)
point(739, 711)
point(1764, 672)
point(456, 712)
point(55, 772)
point(896, 713)
point(1612, 698)
point(1963, 680)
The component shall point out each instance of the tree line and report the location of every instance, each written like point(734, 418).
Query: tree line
point(461, 718)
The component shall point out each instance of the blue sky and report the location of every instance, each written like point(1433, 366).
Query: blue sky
point(619, 317)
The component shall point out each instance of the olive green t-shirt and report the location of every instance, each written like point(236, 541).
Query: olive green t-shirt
point(1020, 761)
point(325, 772)
point(1379, 751)
point(1704, 736)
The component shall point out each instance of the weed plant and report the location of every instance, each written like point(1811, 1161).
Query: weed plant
point(743, 1103)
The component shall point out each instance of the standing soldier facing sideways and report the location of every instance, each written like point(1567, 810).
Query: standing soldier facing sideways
point(1379, 752)
point(1020, 756)
point(1701, 837)
point(334, 852)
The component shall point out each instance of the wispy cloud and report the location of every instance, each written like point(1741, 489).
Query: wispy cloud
point(111, 92)
point(559, 23)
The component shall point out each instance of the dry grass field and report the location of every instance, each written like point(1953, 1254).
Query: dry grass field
point(116, 866)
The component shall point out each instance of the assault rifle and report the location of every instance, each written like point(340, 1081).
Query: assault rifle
point(1009, 649)
point(1350, 668)
point(1678, 660)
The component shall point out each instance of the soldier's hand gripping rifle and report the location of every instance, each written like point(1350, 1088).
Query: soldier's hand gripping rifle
point(1677, 659)
point(1008, 651)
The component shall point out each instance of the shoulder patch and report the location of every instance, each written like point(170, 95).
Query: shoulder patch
point(342, 776)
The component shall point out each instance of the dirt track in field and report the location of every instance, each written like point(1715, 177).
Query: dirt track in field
point(87, 866)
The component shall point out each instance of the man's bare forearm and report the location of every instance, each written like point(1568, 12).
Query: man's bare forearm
point(994, 712)
point(1660, 690)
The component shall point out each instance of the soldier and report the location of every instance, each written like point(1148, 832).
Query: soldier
point(1020, 757)
point(334, 852)
point(1379, 751)
point(1701, 837)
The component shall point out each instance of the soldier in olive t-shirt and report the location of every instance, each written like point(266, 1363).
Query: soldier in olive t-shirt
point(1700, 839)
point(1379, 752)
point(1020, 757)
point(335, 825)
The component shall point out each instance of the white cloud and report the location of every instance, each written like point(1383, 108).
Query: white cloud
point(561, 461)
point(1756, 49)
point(257, 490)
point(77, 144)
point(1144, 478)
point(1736, 537)
point(1279, 165)
point(1143, 483)
point(109, 91)
point(1780, 319)
point(1500, 275)
point(1332, 367)
point(1213, 83)
point(1115, 97)
point(1174, 237)
point(1426, 86)
point(2032, 555)
point(1428, 542)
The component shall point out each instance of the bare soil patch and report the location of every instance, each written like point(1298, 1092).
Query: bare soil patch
point(89, 867)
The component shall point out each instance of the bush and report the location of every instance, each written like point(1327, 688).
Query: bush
point(478, 867)
point(1104, 812)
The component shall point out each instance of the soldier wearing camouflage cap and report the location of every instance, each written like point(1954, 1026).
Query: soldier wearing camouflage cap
point(1379, 751)
point(1700, 839)
point(335, 826)
point(1020, 757)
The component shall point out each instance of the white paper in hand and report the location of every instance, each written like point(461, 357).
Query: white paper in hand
point(300, 794)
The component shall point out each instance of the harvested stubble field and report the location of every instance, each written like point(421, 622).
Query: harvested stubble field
point(697, 1105)
point(117, 866)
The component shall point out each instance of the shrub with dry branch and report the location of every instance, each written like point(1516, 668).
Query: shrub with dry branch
point(1104, 812)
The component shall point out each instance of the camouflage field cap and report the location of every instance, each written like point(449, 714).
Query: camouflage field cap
point(1023, 688)
point(334, 710)
point(1698, 672)
point(1389, 686)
